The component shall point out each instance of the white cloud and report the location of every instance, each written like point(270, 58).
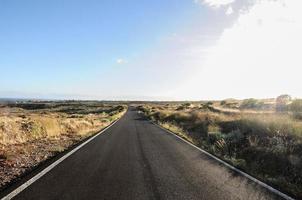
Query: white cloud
point(229, 11)
point(259, 56)
point(215, 3)
point(121, 61)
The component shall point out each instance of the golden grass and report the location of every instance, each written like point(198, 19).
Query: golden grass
point(177, 130)
point(23, 126)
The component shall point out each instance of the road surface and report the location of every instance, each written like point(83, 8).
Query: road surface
point(135, 159)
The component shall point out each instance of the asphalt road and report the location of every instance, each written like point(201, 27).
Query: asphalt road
point(135, 159)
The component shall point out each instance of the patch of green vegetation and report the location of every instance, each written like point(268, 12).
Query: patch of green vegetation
point(251, 104)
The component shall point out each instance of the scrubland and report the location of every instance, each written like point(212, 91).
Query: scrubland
point(32, 132)
point(261, 137)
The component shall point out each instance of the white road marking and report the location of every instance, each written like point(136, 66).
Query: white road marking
point(271, 189)
point(50, 167)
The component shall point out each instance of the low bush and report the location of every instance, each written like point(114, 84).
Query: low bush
point(296, 108)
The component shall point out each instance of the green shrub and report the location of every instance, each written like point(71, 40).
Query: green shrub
point(249, 103)
point(214, 137)
point(296, 108)
point(222, 103)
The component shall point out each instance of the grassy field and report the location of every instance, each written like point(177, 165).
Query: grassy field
point(261, 137)
point(31, 132)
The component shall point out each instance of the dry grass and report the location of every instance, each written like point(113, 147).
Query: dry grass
point(176, 129)
point(37, 131)
point(264, 143)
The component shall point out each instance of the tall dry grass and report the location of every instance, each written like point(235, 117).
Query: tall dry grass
point(20, 126)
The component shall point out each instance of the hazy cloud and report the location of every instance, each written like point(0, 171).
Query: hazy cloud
point(121, 61)
point(215, 3)
point(229, 11)
point(259, 55)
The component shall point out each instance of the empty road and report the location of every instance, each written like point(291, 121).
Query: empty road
point(135, 159)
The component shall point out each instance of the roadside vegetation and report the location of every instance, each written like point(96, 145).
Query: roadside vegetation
point(261, 137)
point(32, 132)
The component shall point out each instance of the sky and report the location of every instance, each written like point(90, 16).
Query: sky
point(150, 50)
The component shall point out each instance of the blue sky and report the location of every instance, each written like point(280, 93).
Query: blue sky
point(128, 49)
point(59, 45)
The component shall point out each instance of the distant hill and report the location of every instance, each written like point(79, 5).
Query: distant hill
point(12, 100)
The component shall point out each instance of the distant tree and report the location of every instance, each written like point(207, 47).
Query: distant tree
point(282, 101)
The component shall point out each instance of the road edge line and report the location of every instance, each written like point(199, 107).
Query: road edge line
point(54, 164)
point(268, 187)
